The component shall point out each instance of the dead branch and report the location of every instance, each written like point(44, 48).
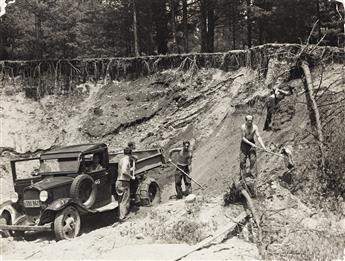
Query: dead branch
point(325, 90)
point(227, 229)
point(308, 85)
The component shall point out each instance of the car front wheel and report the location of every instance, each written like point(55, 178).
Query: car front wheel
point(67, 223)
point(5, 233)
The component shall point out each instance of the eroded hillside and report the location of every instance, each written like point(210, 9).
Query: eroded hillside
point(206, 106)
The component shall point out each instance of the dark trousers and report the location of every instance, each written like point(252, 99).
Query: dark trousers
point(178, 181)
point(248, 152)
point(268, 120)
point(123, 190)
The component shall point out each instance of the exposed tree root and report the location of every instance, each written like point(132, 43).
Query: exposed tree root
point(61, 76)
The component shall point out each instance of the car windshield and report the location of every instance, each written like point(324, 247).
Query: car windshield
point(59, 165)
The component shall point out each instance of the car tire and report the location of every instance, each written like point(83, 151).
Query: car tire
point(67, 223)
point(4, 233)
point(148, 192)
point(84, 190)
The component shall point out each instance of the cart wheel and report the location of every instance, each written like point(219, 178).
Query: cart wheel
point(149, 192)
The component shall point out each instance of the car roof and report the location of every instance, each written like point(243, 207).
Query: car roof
point(73, 150)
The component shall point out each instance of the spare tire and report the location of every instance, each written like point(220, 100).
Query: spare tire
point(148, 192)
point(84, 190)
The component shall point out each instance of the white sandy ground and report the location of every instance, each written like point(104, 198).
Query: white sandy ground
point(133, 239)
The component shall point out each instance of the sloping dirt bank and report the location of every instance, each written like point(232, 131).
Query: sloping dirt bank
point(207, 107)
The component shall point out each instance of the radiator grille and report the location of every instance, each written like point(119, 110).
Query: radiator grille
point(30, 194)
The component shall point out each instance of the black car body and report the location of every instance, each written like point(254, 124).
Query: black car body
point(73, 181)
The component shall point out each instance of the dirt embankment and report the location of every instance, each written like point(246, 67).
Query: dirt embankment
point(162, 110)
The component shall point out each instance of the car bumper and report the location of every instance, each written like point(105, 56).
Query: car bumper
point(46, 227)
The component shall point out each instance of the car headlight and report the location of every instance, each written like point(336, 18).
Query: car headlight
point(43, 195)
point(14, 197)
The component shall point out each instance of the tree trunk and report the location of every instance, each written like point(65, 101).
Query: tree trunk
point(318, 17)
point(38, 29)
point(210, 26)
point(313, 109)
point(151, 46)
point(160, 19)
point(38, 48)
point(249, 24)
point(185, 25)
point(135, 30)
point(203, 25)
point(261, 31)
point(173, 26)
point(233, 27)
point(3, 53)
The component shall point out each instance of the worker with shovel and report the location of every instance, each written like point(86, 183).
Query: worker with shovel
point(183, 167)
point(248, 147)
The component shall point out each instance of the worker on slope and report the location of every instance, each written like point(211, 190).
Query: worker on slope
point(184, 162)
point(271, 105)
point(248, 147)
point(125, 174)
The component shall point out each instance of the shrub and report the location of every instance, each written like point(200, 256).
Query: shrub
point(335, 156)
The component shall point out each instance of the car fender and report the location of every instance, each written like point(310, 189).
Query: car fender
point(58, 204)
point(50, 211)
point(7, 207)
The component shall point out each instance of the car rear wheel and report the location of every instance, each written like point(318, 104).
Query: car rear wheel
point(148, 192)
point(67, 223)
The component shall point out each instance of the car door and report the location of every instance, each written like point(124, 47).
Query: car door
point(101, 176)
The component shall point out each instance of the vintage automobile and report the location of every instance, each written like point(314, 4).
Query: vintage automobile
point(73, 181)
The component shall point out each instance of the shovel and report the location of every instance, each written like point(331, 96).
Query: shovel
point(172, 163)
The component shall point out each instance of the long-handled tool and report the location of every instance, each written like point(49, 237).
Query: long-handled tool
point(172, 163)
point(271, 152)
point(286, 155)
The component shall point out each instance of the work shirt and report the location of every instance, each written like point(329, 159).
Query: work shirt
point(124, 169)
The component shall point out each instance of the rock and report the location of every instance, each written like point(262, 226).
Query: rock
point(190, 198)
point(139, 236)
point(98, 111)
point(341, 226)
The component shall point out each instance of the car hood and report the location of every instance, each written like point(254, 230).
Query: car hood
point(51, 182)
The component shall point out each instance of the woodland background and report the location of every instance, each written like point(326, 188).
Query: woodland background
point(42, 29)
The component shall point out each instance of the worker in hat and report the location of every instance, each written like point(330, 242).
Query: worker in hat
point(248, 148)
point(184, 162)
